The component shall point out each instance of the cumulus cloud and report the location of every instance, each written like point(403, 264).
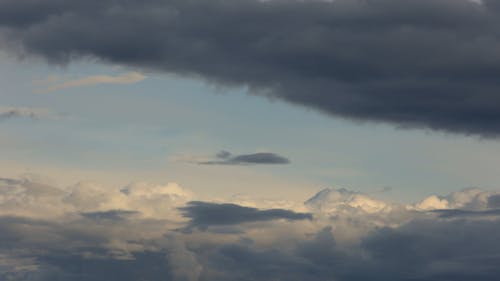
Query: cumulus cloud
point(430, 63)
point(432, 202)
point(44, 200)
point(95, 232)
point(473, 199)
point(331, 200)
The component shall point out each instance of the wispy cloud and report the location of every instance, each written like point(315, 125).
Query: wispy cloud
point(24, 112)
point(123, 79)
point(260, 158)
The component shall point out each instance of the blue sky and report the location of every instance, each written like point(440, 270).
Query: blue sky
point(120, 133)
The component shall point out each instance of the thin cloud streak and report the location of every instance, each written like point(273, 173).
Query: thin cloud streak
point(123, 79)
point(260, 158)
point(457, 213)
point(7, 113)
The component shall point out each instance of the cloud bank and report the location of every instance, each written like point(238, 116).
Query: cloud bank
point(430, 63)
point(94, 232)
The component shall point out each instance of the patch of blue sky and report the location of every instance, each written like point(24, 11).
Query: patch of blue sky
point(140, 126)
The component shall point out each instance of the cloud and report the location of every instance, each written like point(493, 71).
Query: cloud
point(432, 250)
point(7, 113)
point(427, 64)
point(205, 214)
point(30, 197)
point(95, 232)
point(457, 213)
point(127, 78)
point(332, 200)
point(113, 215)
point(494, 201)
point(183, 262)
point(226, 158)
point(473, 199)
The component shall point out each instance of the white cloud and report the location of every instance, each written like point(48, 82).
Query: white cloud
point(473, 199)
point(28, 198)
point(334, 200)
point(432, 202)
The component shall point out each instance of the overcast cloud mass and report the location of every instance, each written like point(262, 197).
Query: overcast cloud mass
point(429, 63)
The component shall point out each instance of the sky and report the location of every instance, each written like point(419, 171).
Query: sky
point(249, 140)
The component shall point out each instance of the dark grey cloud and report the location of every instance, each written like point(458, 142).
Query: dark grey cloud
point(423, 249)
point(494, 201)
point(429, 63)
point(205, 214)
point(457, 213)
point(433, 250)
point(261, 264)
point(74, 267)
point(42, 250)
point(226, 158)
point(112, 215)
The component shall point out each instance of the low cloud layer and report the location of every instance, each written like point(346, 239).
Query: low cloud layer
point(96, 232)
point(429, 63)
point(261, 158)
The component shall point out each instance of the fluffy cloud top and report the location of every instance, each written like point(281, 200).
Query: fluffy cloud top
point(25, 197)
point(332, 200)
